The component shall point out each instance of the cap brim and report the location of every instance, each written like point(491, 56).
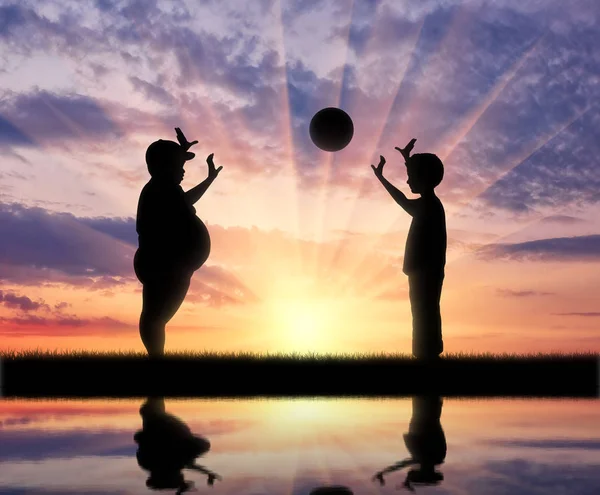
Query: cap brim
point(189, 155)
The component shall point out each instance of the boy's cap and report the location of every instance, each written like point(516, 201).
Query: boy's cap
point(164, 150)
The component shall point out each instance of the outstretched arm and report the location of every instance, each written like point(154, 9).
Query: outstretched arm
point(398, 196)
point(212, 476)
point(394, 467)
point(197, 192)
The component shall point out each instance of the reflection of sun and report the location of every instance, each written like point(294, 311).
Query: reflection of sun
point(302, 325)
point(289, 414)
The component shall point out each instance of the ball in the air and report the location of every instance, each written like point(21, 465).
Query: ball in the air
point(331, 129)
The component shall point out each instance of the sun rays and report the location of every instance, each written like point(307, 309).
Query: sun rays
point(497, 93)
point(359, 274)
point(381, 114)
point(476, 113)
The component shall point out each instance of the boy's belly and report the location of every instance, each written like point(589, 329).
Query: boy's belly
point(199, 247)
point(187, 253)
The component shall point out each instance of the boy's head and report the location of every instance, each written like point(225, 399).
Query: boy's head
point(165, 480)
point(165, 160)
point(425, 172)
point(425, 475)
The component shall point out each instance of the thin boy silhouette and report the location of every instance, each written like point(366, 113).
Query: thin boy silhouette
point(173, 241)
point(425, 255)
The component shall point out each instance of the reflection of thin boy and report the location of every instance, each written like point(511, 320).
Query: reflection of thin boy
point(173, 241)
point(425, 256)
point(426, 443)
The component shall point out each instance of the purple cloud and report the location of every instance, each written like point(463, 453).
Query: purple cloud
point(24, 303)
point(522, 293)
point(45, 116)
point(580, 248)
point(95, 253)
point(61, 325)
point(36, 238)
point(589, 314)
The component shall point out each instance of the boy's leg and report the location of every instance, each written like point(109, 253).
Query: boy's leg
point(425, 293)
point(152, 333)
point(162, 297)
point(416, 308)
point(437, 283)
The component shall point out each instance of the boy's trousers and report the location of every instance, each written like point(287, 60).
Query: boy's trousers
point(425, 290)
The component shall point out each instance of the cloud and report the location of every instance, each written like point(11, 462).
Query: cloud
point(553, 443)
point(530, 158)
point(460, 74)
point(214, 286)
point(153, 91)
point(23, 303)
point(31, 445)
point(521, 477)
point(9, 134)
point(69, 444)
point(93, 253)
point(122, 229)
point(579, 248)
point(36, 238)
point(43, 116)
point(12, 18)
point(589, 314)
point(31, 325)
point(522, 293)
point(562, 219)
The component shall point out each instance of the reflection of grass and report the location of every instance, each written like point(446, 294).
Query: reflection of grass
point(211, 374)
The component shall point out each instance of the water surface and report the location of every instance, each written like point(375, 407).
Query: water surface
point(292, 446)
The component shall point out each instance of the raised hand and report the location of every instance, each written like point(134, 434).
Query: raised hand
point(408, 486)
point(379, 169)
point(379, 477)
point(212, 172)
point(211, 479)
point(406, 151)
point(183, 142)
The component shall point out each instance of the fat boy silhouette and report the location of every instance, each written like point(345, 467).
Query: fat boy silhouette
point(425, 255)
point(173, 241)
point(167, 446)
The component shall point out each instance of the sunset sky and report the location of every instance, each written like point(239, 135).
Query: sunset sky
point(307, 246)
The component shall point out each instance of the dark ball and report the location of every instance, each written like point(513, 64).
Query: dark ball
point(331, 129)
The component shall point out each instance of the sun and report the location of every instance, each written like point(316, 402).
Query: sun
point(302, 325)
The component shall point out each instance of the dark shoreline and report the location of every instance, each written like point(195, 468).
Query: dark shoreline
point(279, 377)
